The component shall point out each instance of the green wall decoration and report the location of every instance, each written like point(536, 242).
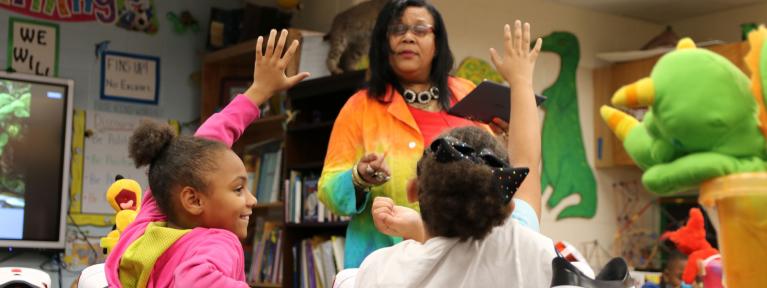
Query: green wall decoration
point(477, 70)
point(565, 167)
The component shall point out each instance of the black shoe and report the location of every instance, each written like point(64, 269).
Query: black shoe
point(614, 275)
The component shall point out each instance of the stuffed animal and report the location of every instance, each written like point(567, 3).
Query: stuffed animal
point(350, 34)
point(703, 120)
point(124, 195)
point(691, 240)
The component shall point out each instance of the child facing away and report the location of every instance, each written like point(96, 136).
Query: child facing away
point(464, 236)
point(186, 234)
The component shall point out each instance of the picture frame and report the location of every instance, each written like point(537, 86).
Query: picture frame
point(130, 77)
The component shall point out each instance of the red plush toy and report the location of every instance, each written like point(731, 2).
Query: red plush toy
point(691, 240)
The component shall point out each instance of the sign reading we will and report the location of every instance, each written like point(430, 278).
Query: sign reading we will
point(130, 77)
point(33, 47)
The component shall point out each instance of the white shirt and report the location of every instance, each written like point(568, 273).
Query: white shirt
point(510, 256)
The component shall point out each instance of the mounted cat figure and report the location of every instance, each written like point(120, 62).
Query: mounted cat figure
point(350, 34)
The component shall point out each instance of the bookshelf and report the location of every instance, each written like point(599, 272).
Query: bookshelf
point(302, 142)
point(318, 102)
point(264, 285)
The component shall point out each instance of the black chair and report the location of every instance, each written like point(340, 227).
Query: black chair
point(614, 275)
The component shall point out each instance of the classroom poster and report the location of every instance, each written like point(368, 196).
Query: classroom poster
point(99, 153)
point(134, 15)
point(33, 47)
point(130, 77)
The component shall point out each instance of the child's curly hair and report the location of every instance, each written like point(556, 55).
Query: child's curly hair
point(174, 161)
point(460, 198)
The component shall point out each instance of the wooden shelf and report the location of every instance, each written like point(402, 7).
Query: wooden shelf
point(306, 166)
point(311, 126)
point(263, 131)
point(327, 85)
point(262, 284)
point(317, 225)
point(270, 120)
point(239, 54)
point(272, 205)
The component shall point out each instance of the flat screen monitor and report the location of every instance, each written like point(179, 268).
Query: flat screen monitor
point(35, 146)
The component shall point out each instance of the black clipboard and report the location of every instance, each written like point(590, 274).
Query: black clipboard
point(487, 101)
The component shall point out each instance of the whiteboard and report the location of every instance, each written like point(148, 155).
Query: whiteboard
point(106, 155)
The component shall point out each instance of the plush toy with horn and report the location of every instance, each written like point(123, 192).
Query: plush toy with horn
point(704, 120)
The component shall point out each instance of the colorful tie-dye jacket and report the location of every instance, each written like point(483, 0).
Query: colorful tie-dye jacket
point(365, 125)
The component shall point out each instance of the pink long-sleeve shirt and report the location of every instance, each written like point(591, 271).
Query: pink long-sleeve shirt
point(204, 257)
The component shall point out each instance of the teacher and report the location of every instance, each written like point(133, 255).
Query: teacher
point(382, 130)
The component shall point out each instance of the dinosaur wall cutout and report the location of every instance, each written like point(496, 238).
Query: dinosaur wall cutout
point(565, 167)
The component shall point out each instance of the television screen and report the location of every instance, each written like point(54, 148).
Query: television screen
point(35, 125)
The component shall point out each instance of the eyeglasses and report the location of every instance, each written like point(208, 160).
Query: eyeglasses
point(419, 30)
point(448, 149)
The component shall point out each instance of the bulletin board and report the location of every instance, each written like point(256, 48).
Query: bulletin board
point(99, 153)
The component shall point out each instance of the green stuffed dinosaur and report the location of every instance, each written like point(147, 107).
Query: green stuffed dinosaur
point(565, 167)
point(703, 119)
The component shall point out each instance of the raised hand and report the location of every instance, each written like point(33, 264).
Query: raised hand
point(524, 134)
point(518, 60)
point(269, 68)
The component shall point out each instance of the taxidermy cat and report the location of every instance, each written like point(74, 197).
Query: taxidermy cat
point(349, 35)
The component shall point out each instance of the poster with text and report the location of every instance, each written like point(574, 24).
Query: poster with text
point(130, 77)
point(33, 47)
point(132, 15)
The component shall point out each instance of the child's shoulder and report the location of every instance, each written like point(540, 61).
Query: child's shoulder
point(201, 237)
point(527, 239)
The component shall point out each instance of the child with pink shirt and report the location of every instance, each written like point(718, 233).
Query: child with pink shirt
point(187, 232)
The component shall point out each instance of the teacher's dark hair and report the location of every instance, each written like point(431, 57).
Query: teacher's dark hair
point(381, 72)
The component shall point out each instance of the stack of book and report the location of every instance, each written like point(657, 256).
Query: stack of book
point(318, 260)
point(302, 204)
point(263, 165)
point(266, 260)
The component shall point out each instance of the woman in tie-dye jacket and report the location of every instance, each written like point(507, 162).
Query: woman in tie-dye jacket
point(381, 131)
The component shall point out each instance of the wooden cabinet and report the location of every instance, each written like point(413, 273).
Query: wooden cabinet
point(609, 150)
point(304, 137)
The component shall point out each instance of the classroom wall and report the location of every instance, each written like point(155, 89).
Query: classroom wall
point(179, 57)
point(475, 26)
point(724, 25)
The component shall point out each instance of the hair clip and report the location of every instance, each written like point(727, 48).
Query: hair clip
point(448, 149)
